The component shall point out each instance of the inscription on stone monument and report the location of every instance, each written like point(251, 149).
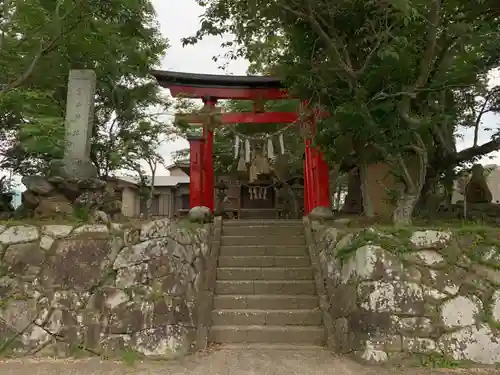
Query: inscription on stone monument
point(79, 123)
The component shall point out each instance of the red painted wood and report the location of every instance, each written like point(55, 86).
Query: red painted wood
point(262, 118)
point(308, 179)
point(315, 177)
point(208, 165)
point(195, 171)
point(246, 118)
point(227, 93)
point(309, 187)
point(323, 182)
point(316, 171)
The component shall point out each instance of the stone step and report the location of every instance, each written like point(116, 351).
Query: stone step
point(265, 287)
point(263, 230)
point(258, 213)
point(263, 250)
point(313, 335)
point(264, 261)
point(265, 302)
point(268, 240)
point(264, 273)
point(267, 317)
point(261, 222)
point(267, 346)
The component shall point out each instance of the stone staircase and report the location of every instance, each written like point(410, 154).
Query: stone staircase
point(265, 291)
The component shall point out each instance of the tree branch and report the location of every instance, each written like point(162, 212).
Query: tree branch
point(45, 49)
point(371, 54)
point(472, 152)
point(331, 43)
point(483, 111)
point(426, 65)
point(421, 152)
point(442, 139)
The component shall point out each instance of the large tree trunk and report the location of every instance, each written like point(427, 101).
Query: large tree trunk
point(338, 198)
point(367, 202)
point(405, 205)
point(410, 193)
point(334, 177)
point(353, 201)
point(426, 201)
point(149, 204)
point(448, 182)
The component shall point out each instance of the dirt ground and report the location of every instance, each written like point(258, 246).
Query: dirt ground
point(223, 362)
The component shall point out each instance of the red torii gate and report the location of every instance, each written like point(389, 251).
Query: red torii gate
point(210, 88)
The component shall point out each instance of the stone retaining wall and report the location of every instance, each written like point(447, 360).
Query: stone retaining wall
point(95, 289)
point(428, 296)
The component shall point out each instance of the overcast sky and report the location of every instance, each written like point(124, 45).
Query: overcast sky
point(178, 21)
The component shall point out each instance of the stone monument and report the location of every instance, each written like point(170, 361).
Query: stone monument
point(477, 190)
point(72, 187)
point(79, 124)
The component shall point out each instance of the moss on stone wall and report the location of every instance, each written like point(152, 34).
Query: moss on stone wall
point(96, 289)
point(402, 294)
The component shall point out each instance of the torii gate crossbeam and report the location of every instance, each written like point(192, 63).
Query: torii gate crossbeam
point(211, 88)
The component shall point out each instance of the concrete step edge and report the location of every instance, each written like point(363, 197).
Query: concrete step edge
point(264, 268)
point(265, 311)
point(267, 281)
point(312, 335)
point(270, 296)
point(272, 301)
point(264, 263)
point(267, 222)
point(263, 345)
point(265, 287)
point(270, 328)
point(265, 273)
point(270, 235)
point(264, 225)
point(265, 256)
point(270, 258)
point(302, 246)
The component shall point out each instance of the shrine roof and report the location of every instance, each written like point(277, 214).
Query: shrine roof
point(167, 78)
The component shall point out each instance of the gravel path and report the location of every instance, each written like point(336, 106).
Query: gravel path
point(222, 362)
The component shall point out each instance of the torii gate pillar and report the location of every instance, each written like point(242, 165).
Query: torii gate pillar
point(211, 88)
point(208, 163)
point(316, 172)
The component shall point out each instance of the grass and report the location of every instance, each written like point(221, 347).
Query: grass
point(395, 240)
point(359, 222)
point(130, 356)
point(84, 219)
point(473, 238)
point(438, 361)
point(54, 220)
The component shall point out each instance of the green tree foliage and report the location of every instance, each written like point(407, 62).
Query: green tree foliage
point(397, 77)
point(40, 41)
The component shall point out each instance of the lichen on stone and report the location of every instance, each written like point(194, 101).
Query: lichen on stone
point(92, 289)
point(436, 292)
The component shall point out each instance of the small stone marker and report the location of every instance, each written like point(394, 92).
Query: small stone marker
point(79, 123)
